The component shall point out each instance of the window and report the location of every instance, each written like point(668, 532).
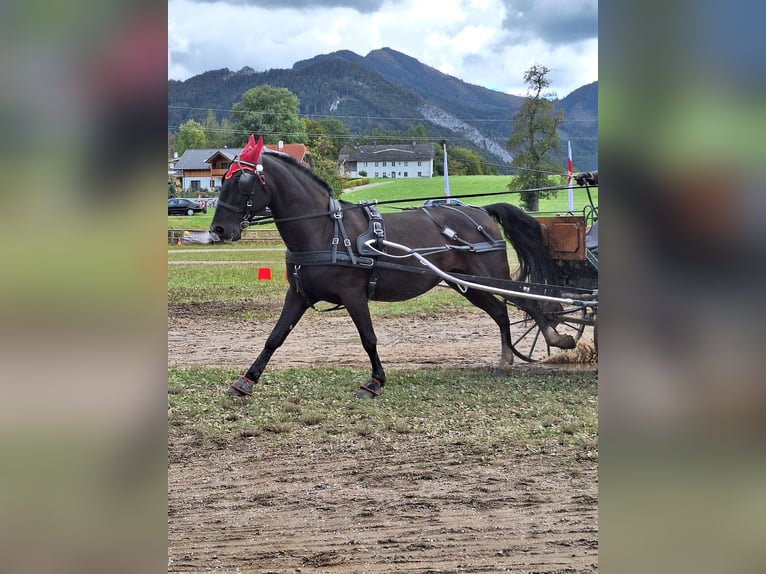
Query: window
point(406, 163)
point(384, 164)
point(376, 165)
point(420, 174)
point(406, 174)
point(420, 163)
point(377, 174)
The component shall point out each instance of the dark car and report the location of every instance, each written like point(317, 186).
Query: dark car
point(263, 213)
point(445, 201)
point(181, 206)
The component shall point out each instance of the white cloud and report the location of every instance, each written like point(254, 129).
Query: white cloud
point(474, 40)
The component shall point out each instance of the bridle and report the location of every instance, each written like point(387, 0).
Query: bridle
point(250, 172)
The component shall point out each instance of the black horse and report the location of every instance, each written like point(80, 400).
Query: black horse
point(336, 252)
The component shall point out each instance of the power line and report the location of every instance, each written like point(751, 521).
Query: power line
point(367, 117)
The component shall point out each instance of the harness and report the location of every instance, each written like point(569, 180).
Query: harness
point(250, 174)
point(370, 247)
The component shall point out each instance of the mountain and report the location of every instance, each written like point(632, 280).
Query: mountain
point(390, 90)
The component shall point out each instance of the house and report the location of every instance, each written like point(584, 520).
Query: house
point(202, 169)
point(389, 160)
point(297, 151)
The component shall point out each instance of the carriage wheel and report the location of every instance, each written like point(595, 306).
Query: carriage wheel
point(528, 342)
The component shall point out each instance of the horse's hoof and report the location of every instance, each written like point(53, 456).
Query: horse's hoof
point(369, 390)
point(499, 373)
point(567, 342)
point(242, 387)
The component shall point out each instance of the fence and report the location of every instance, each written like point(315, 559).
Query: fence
point(249, 235)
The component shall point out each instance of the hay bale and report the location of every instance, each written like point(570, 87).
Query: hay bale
point(584, 352)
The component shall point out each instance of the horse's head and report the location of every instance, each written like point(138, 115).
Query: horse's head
point(243, 194)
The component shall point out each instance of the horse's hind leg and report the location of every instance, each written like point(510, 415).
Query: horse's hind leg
point(499, 313)
point(360, 315)
point(292, 311)
point(552, 337)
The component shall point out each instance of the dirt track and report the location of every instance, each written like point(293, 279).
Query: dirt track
point(376, 504)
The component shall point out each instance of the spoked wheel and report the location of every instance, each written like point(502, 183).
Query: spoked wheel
point(527, 340)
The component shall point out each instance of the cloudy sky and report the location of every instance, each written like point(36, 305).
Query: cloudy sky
point(486, 42)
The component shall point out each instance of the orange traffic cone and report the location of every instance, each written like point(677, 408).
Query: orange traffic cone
point(179, 243)
point(264, 273)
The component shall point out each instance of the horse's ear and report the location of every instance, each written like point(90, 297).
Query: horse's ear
point(251, 153)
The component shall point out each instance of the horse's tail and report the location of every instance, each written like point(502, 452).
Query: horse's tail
point(525, 234)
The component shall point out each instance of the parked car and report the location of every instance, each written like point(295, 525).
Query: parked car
point(445, 201)
point(182, 206)
point(263, 213)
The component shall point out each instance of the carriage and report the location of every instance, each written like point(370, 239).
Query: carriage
point(349, 254)
point(572, 240)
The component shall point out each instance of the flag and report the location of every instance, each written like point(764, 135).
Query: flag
point(446, 175)
point(569, 177)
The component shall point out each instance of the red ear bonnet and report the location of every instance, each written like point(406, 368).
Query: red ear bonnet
point(251, 153)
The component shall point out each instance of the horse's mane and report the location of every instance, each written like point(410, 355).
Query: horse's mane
point(288, 159)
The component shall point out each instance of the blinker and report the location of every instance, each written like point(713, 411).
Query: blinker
point(246, 182)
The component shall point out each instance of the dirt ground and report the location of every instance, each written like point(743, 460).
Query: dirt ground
point(410, 505)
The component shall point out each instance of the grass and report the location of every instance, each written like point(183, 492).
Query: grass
point(537, 410)
point(397, 189)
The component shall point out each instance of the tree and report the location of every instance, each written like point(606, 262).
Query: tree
point(461, 161)
point(534, 139)
point(418, 133)
point(217, 133)
point(191, 135)
point(326, 137)
point(270, 112)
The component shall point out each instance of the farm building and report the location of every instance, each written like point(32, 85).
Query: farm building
point(390, 160)
point(202, 169)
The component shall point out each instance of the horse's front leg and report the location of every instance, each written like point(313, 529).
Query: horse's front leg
point(292, 311)
point(360, 315)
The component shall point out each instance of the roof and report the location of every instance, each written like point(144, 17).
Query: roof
point(194, 159)
point(387, 152)
point(197, 158)
point(296, 151)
